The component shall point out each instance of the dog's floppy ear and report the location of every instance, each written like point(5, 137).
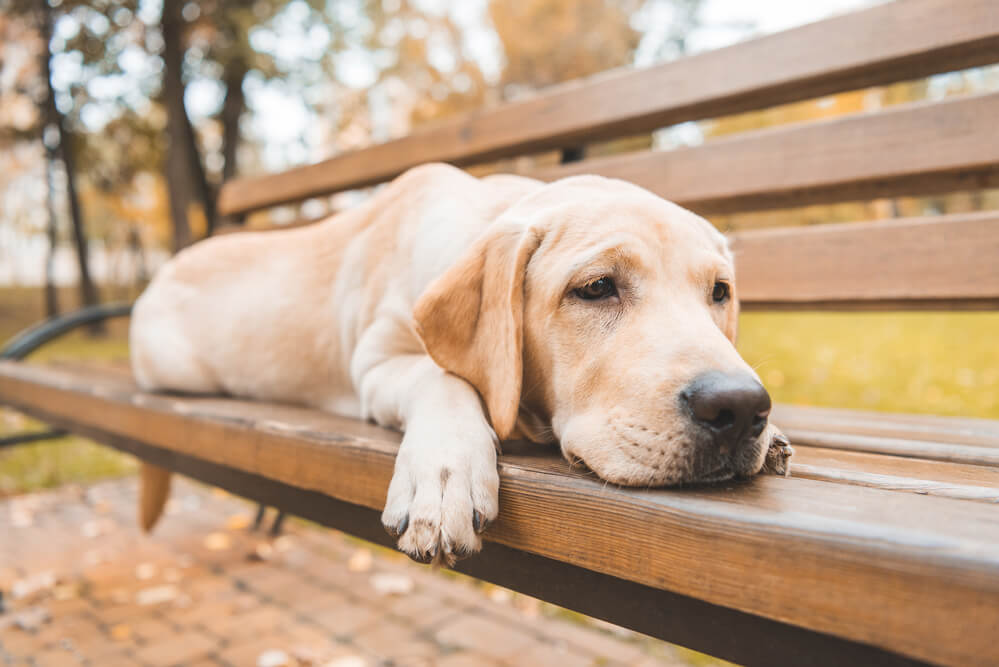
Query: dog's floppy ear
point(470, 319)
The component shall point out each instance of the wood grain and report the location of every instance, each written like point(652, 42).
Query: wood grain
point(956, 430)
point(951, 480)
point(894, 42)
point(868, 564)
point(921, 148)
point(943, 260)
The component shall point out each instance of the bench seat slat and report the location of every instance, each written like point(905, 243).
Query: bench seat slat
point(880, 45)
point(937, 262)
point(872, 565)
point(951, 480)
point(923, 148)
point(962, 430)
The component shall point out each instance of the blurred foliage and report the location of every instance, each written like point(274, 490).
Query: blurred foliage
point(932, 362)
point(370, 70)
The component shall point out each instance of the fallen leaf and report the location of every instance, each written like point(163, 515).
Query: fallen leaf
point(155, 595)
point(262, 552)
point(347, 661)
point(145, 571)
point(305, 655)
point(91, 529)
point(32, 618)
point(273, 658)
point(21, 518)
point(500, 595)
point(237, 522)
point(389, 583)
point(217, 542)
point(33, 584)
point(360, 561)
point(65, 591)
point(120, 632)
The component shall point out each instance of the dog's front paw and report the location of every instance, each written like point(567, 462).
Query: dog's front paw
point(440, 500)
point(779, 453)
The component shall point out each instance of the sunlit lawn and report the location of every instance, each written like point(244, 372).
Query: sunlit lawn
point(937, 363)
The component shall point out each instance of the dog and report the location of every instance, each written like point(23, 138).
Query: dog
point(586, 312)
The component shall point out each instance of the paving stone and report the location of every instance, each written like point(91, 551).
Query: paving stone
point(177, 649)
point(543, 654)
point(56, 658)
point(479, 634)
point(211, 605)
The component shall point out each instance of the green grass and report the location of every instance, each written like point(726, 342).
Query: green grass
point(936, 363)
point(70, 459)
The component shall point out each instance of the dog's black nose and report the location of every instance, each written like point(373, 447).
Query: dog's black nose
point(732, 406)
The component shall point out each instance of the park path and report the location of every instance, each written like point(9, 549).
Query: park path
point(81, 585)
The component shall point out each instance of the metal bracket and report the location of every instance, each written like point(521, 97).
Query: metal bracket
point(24, 438)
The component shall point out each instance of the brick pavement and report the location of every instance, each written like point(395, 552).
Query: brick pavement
point(81, 585)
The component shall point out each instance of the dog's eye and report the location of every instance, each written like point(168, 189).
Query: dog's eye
point(721, 292)
point(598, 289)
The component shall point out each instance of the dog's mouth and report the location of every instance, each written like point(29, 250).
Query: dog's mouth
point(720, 474)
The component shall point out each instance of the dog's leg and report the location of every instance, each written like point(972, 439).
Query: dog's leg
point(445, 489)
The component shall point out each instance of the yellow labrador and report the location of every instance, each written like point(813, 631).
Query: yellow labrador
point(465, 311)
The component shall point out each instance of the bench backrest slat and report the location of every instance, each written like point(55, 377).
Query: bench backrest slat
point(924, 148)
point(915, 263)
point(898, 41)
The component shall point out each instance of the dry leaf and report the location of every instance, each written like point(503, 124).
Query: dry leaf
point(360, 561)
point(388, 583)
point(262, 552)
point(120, 632)
point(217, 542)
point(32, 618)
point(155, 595)
point(145, 571)
point(500, 595)
point(33, 584)
point(65, 591)
point(237, 522)
point(347, 661)
point(273, 658)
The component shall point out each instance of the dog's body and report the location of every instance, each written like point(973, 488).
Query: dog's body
point(462, 310)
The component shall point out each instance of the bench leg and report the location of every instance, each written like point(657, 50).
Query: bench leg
point(275, 529)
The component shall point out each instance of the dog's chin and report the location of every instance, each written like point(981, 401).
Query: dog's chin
point(686, 465)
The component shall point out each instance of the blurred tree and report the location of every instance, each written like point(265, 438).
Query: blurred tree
point(568, 39)
point(66, 150)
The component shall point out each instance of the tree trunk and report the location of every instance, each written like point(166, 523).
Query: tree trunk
point(51, 295)
point(198, 177)
point(232, 112)
point(178, 176)
point(88, 293)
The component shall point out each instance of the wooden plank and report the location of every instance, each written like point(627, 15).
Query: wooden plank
point(956, 430)
point(923, 148)
point(733, 635)
point(898, 41)
point(938, 261)
point(951, 480)
point(866, 564)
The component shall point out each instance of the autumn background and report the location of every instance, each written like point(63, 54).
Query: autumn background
point(119, 119)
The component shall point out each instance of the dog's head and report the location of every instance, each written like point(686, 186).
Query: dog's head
point(598, 314)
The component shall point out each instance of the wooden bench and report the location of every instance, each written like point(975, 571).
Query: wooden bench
point(882, 547)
